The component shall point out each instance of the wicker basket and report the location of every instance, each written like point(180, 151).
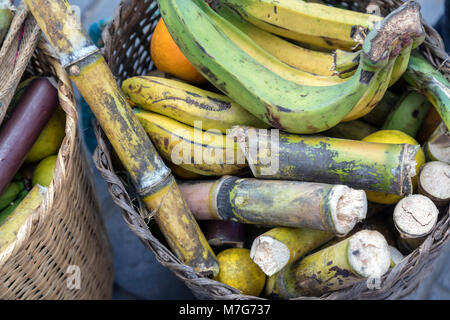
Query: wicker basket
point(63, 251)
point(127, 42)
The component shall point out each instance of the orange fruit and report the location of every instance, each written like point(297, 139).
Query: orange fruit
point(168, 57)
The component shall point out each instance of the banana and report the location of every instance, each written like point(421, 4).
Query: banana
point(311, 23)
point(373, 94)
point(255, 51)
point(209, 153)
point(277, 101)
point(187, 104)
point(423, 77)
point(338, 63)
point(312, 61)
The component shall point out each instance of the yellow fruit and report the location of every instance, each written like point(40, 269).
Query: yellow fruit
point(43, 174)
point(167, 57)
point(50, 139)
point(393, 137)
point(238, 270)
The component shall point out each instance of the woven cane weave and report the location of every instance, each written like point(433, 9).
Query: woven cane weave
point(127, 42)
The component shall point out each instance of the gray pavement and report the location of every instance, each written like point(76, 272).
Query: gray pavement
point(139, 276)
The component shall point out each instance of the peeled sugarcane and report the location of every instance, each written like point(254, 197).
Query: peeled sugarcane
point(19, 133)
point(434, 182)
point(431, 83)
point(378, 115)
point(365, 255)
point(408, 114)
point(274, 249)
point(437, 148)
point(414, 218)
point(353, 130)
point(152, 179)
point(333, 208)
point(364, 165)
point(12, 226)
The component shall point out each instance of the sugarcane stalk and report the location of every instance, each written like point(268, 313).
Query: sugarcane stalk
point(414, 218)
point(423, 77)
point(378, 115)
point(274, 249)
point(362, 256)
point(362, 165)
point(6, 212)
point(333, 208)
point(408, 114)
point(225, 233)
point(152, 179)
point(12, 226)
point(434, 182)
point(22, 129)
point(353, 130)
point(437, 148)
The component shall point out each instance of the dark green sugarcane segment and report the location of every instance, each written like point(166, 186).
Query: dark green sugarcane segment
point(430, 82)
point(360, 165)
point(408, 114)
point(288, 203)
point(353, 130)
point(4, 214)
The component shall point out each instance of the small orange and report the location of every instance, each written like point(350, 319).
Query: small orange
point(168, 57)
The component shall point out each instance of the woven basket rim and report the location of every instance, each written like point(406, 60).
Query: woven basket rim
point(397, 283)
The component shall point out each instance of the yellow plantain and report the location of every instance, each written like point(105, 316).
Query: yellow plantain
point(310, 23)
point(209, 153)
point(187, 104)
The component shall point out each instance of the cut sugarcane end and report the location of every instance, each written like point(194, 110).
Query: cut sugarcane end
point(415, 216)
point(396, 256)
point(430, 173)
point(368, 254)
point(348, 207)
point(269, 254)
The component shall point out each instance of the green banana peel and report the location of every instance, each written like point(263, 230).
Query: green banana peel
point(278, 102)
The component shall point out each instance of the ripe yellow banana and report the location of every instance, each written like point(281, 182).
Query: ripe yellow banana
point(312, 61)
point(209, 153)
point(311, 23)
point(187, 104)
